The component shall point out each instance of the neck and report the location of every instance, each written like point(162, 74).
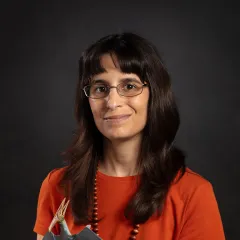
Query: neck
point(121, 157)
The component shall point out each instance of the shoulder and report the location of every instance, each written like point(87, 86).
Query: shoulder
point(192, 179)
point(55, 176)
point(51, 183)
point(193, 200)
point(189, 184)
point(49, 199)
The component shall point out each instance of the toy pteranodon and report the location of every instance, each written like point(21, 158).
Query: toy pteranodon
point(85, 234)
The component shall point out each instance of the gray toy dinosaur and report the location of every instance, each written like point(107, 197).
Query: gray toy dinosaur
point(85, 234)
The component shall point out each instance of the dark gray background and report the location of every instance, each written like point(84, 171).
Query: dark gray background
point(41, 43)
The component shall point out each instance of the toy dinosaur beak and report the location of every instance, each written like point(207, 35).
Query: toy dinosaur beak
point(59, 216)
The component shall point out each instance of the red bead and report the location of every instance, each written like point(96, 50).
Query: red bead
point(135, 231)
point(132, 237)
point(94, 225)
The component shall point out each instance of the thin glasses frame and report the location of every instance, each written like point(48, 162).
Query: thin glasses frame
point(109, 88)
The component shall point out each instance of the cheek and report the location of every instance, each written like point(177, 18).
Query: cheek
point(140, 104)
point(96, 107)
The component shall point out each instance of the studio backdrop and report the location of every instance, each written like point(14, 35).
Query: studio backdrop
point(41, 44)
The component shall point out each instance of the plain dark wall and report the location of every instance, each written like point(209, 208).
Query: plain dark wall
point(41, 44)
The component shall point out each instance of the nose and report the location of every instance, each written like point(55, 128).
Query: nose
point(113, 99)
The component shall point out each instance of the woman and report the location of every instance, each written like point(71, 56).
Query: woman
point(125, 177)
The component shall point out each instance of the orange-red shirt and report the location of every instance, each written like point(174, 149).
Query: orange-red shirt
point(190, 213)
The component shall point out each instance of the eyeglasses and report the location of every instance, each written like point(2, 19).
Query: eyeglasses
point(101, 90)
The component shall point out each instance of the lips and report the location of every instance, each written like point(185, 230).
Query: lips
point(117, 117)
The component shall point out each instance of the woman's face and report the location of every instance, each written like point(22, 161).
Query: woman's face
point(119, 117)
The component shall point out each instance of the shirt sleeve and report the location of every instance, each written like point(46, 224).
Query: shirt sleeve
point(44, 212)
point(202, 220)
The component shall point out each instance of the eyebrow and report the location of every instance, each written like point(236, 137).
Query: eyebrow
point(121, 80)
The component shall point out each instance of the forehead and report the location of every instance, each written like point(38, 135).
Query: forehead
point(109, 62)
point(112, 70)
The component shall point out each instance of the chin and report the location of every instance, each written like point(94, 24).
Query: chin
point(120, 135)
point(113, 137)
point(120, 132)
point(119, 139)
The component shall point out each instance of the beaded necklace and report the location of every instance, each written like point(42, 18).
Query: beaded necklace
point(94, 225)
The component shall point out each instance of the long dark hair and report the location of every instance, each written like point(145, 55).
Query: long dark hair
point(160, 161)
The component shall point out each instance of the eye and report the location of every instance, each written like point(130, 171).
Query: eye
point(127, 87)
point(99, 88)
point(130, 86)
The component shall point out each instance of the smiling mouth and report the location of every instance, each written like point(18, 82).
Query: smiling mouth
point(116, 118)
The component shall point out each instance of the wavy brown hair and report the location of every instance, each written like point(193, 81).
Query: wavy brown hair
point(160, 160)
